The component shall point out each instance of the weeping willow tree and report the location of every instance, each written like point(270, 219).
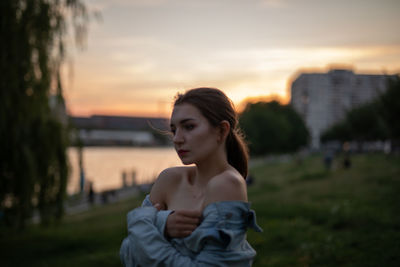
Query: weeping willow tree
point(33, 163)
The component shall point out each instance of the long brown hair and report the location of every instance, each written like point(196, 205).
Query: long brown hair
point(216, 107)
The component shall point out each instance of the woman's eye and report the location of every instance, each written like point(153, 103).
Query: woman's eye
point(189, 127)
point(173, 131)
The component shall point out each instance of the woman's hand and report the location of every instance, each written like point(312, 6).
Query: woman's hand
point(181, 223)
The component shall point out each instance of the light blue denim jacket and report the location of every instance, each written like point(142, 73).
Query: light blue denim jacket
point(219, 240)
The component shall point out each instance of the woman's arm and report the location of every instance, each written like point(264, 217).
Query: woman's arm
point(163, 183)
point(148, 245)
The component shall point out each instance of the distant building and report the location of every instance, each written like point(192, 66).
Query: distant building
point(117, 130)
point(323, 99)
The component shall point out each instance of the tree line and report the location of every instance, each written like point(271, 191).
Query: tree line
point(271, 127)
point(376, 120)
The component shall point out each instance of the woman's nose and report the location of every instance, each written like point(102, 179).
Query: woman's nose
point(178, 138)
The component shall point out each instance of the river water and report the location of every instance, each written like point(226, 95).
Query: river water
point(104, 166)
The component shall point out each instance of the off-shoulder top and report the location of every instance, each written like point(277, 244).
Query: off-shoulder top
point(219, 240)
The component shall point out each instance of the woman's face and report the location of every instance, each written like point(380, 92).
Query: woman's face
point(195, 139)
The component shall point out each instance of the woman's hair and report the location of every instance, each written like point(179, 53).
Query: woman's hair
point(216, 107)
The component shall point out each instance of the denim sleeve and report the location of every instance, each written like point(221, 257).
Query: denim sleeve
point(127, 253)
point(149, 245)
point(212, 246)
point(162, 215)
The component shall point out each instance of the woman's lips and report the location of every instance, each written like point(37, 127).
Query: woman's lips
point(182, 152)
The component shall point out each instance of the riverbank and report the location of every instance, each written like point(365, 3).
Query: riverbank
point(310, 216)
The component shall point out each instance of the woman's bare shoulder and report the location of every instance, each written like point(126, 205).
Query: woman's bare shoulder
point(166, 181)
point(172, 174)
point(227, 186)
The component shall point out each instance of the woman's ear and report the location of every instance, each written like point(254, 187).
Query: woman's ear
point(224, 127)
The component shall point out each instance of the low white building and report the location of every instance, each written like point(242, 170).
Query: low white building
point(140, 138)
point(118, 130)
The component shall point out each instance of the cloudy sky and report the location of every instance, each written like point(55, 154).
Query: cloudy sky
point(143, 52)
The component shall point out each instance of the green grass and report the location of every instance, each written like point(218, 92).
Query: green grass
point(315, 217)
point(91, 238)
point(310, 217)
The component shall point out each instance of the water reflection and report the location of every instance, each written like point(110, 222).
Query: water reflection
point(104, 166)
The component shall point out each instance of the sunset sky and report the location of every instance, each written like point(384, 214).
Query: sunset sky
point(143, 52)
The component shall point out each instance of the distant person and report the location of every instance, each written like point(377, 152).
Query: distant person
point(347, 162)
point(91, 193)
point(124, 181)
point(346, 150)
point(197, 215)
point(328, 158)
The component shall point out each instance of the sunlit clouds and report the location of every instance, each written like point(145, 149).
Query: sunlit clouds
point(145, 52)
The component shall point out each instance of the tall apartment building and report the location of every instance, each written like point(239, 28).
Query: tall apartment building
point(323, 99)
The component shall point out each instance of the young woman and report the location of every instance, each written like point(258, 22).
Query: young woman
point(197, 215)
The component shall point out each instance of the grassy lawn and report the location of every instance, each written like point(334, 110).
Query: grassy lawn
point(314, 217)
point(90, 238)
point(310, 217)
